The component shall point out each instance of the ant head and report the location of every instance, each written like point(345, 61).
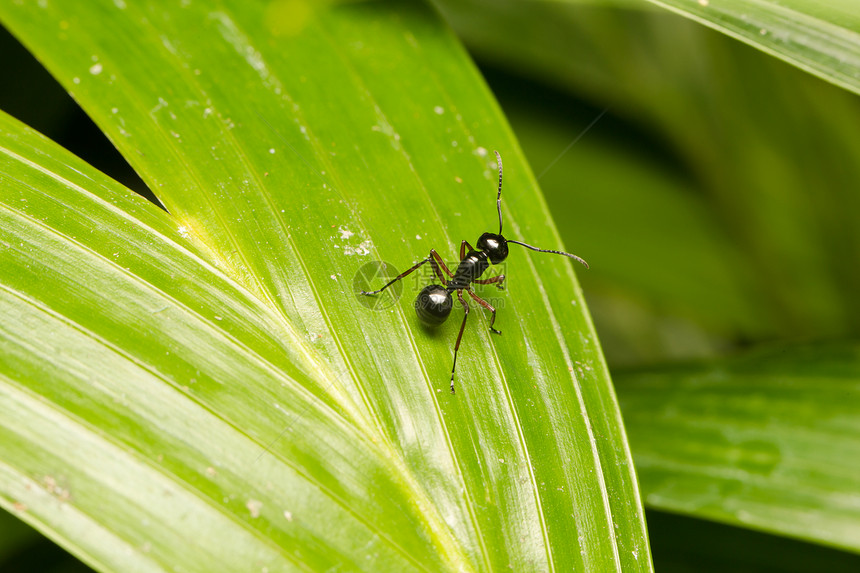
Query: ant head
point(496, 247)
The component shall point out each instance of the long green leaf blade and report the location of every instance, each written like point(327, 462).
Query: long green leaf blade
point(130, 382)
point(822, 38)
point(286, 152)
point(769, 441)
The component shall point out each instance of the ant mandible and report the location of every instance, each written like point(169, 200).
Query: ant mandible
point(434, 302)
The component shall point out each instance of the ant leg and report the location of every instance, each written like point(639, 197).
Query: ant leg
point(499, 281)
point(434, 259)
point(459, 336)
point(463, 246)
point(398, 277)
point(489, 307)
point(436, 263)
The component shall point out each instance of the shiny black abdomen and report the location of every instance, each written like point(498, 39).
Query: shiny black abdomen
point(469, 269)
point(433, 305)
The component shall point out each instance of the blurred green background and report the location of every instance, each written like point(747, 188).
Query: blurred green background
point(715, 200)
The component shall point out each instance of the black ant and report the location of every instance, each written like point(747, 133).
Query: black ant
point(434, 302)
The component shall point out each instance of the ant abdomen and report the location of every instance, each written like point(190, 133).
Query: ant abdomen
point(433, 305)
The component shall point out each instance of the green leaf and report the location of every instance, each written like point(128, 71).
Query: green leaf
point(822, 38)
point(768, 441)
point(202, 389)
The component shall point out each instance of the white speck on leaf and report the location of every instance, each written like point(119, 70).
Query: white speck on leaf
point(96, 69)
point(361, 250)
point(161, 103)
point(439, 109)
point(254, 506)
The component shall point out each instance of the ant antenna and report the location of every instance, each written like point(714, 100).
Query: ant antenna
point(499, 197)
point(574, 257)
